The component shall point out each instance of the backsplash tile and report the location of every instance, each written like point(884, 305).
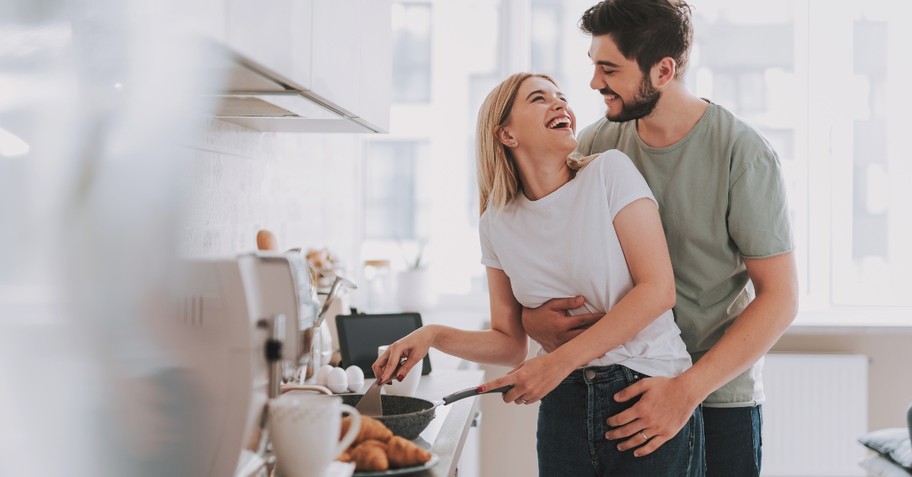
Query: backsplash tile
point(303, 187)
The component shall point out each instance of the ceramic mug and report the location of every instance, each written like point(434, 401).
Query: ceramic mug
point(303, 428)
point(295, 389)
point(407, 386)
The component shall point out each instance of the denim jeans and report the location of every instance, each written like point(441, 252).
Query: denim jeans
point(572, 426)
point(733, 443)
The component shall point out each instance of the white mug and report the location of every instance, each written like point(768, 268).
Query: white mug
point(407, 386)
point(304, 430)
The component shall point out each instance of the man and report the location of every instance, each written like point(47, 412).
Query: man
point(723, 207)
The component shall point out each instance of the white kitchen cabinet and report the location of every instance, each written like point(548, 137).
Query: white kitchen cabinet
point(274, 34)
point(335, 53)
point(205, 18)
point(375, 72)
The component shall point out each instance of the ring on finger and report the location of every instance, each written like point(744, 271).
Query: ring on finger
point(645, 437)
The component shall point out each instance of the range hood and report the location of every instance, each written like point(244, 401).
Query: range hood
point(258, 98)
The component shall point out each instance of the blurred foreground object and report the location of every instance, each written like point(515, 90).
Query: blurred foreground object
point(104, 95)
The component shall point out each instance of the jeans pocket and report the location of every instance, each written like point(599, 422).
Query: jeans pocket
point(634, 376)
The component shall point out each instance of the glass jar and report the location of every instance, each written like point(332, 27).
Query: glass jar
point(378, 278)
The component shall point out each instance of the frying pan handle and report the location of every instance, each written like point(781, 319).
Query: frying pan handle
point(472, 392)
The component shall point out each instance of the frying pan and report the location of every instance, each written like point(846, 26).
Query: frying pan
point(408, 416)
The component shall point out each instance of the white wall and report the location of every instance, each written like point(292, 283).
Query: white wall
point(303, 187)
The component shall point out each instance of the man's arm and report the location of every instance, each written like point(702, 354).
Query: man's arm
point(666, 404)
point(551, 324)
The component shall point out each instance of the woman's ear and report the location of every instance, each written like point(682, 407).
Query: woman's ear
point(505, 138)
point(664, 71)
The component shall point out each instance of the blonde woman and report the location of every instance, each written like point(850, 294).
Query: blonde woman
point(547, 230)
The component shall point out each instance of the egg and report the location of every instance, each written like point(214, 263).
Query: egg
point(323, 374)
point(355, 378)
point(337, 381)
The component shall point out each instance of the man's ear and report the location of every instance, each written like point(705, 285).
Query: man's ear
point(663, 72)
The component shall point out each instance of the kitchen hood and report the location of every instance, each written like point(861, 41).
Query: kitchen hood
point(258, 98)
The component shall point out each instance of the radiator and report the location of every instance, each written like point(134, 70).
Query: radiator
point(816, 407)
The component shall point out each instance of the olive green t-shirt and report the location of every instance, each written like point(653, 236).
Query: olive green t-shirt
point(722, 198)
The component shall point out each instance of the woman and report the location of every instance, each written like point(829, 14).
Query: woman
point(547, 230)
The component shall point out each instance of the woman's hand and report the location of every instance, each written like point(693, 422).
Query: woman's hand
point(532, 379)
point(412, 348)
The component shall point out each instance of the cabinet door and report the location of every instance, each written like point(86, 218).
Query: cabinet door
point(267, 32)
point(375, 75)
point(336, 52)
point(204, 17)
point(302, 42)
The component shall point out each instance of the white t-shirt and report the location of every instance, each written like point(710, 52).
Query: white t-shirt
point(565, 244)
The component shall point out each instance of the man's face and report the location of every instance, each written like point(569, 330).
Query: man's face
point(628, 93)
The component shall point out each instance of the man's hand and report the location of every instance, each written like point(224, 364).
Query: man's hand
point(550, 324)
point(665, 406)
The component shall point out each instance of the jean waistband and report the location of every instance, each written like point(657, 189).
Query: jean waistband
point(597, 374)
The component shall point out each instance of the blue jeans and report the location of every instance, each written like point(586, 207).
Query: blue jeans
point(733, 443)
point(572, 426)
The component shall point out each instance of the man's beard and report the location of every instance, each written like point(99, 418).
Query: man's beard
point(642, 105)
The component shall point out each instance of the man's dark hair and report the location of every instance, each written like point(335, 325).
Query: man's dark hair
point(644, 30)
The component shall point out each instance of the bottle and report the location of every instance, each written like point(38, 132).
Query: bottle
point(379, 289)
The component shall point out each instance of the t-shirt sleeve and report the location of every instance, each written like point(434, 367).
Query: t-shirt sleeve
point(586, 139)
point(488, 256)
point(623, 182)
point(758, 218)
point(597, 137)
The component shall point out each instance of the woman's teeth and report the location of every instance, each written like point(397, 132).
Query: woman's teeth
point(558, 123)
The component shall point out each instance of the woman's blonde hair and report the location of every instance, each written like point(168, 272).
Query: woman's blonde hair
point(498, 176)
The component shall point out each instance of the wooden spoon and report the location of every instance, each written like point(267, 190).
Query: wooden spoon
point(266, 240)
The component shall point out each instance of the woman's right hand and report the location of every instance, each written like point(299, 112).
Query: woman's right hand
point(413, 347)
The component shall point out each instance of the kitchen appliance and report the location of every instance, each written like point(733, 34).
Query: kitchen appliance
point(224, 347)
point(361, 334)
point(258, 97)
point(248, 326)
point(281, 284)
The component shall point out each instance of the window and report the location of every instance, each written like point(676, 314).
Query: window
point(816, 80)
point(825, 85)
point(547, 47)
point(434, 134)
point(411, 52)
point(390, 205)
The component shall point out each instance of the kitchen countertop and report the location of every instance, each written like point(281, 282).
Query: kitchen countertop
point(447, 433)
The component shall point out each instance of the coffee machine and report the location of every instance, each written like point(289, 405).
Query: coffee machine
point(248, 326)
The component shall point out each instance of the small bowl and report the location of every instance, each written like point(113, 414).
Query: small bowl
point(405, 416)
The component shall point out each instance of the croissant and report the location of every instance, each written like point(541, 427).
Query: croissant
point(372, 443)
point(345, 456)
point(370, 429)
point(369, 458)
point(405, 453)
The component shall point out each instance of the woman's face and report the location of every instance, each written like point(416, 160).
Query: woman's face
point(540, 120)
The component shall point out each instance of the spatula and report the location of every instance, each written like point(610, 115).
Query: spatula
point(370, 404)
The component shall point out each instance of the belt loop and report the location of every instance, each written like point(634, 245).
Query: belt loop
point(629, 374)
